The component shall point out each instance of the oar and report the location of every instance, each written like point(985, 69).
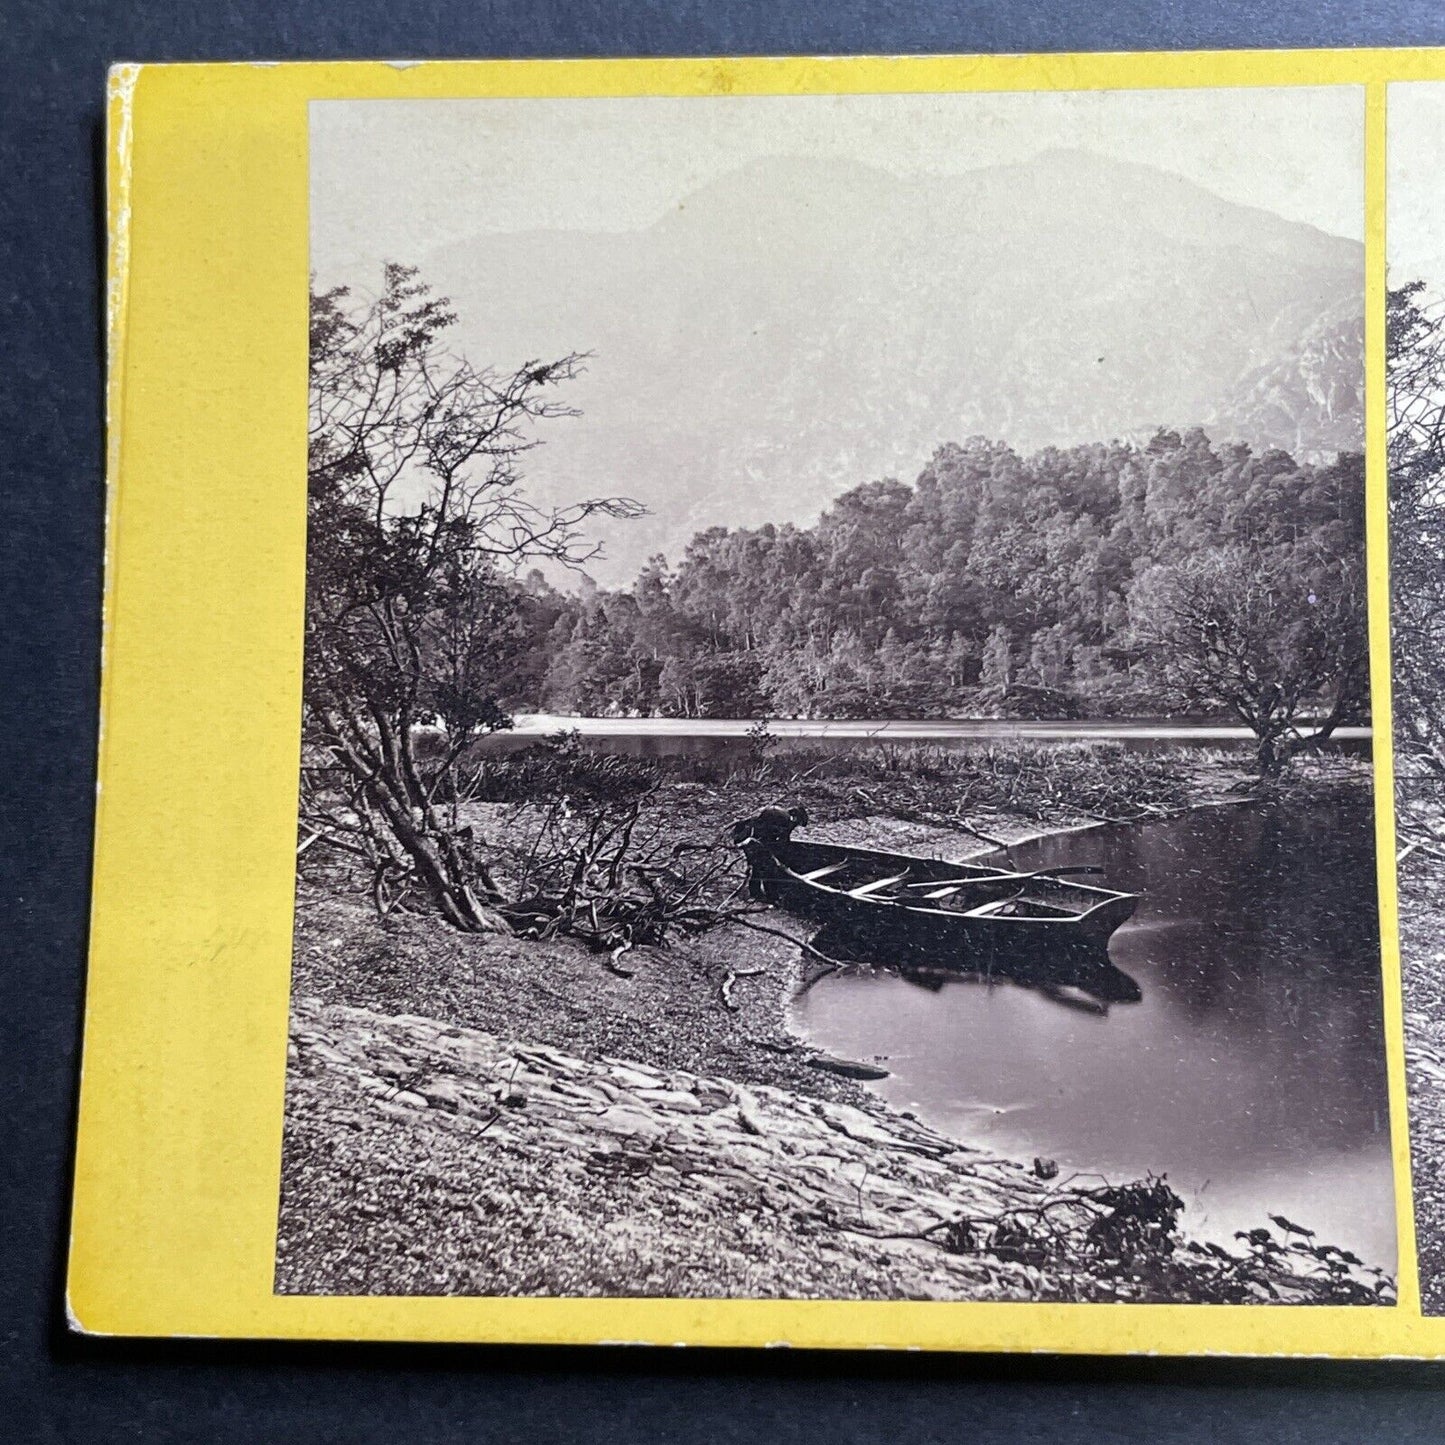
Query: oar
point(1007, 877)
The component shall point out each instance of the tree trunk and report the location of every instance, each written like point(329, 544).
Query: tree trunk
point(390, 783)
point(439, 873)
point(1269, 756)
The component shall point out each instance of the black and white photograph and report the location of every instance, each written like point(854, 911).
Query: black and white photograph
point(836, 750)
point(1415, 345)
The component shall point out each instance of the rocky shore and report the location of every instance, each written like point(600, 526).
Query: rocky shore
point(477, 1166)
point(424, 1158)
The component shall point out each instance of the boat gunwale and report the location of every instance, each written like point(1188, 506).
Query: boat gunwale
point(900, 905)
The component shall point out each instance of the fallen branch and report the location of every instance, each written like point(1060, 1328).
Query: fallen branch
point(731, 978)
point(611, 964)
point(974, 831)
point(847, 1069)
point(778, 933)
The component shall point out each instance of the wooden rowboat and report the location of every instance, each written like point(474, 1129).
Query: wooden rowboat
point(924, 911)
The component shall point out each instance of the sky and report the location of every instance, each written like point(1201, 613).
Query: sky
point(400, 178)
point(1415, 184)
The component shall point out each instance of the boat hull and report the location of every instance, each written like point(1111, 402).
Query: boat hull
point(920, 935)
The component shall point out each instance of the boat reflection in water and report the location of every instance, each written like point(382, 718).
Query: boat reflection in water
point(1081, 976)
point(927, 918)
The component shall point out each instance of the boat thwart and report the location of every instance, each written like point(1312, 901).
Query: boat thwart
point(973, 916)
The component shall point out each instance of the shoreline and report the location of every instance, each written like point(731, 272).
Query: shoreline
point(711, 1013)
point(534, 726)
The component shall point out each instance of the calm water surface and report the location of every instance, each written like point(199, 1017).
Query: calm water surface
point(1252, 1071)
point(655, 737)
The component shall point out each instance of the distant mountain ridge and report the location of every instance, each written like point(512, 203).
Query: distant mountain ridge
point(1310, 399)
point(801, 326)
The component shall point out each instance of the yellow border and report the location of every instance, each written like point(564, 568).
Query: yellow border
point(178, 1153)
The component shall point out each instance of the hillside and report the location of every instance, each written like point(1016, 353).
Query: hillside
point(800, 326)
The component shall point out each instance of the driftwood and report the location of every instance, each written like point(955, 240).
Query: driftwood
point(966, 825)
point(740, 917)
point(1129, 1231)
point(730, 978)
point(846, 1068)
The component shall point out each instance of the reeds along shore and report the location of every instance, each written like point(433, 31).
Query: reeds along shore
point(1023, 776)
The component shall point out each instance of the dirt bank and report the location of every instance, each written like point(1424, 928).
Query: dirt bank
point(668, 1013)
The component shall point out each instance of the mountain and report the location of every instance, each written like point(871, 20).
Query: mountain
point(1310, 399)
point(803, 325)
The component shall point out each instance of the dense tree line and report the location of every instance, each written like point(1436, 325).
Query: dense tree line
point(994, 584)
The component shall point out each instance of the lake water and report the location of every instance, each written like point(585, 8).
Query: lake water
point(1251, 1070)
point(727, 737)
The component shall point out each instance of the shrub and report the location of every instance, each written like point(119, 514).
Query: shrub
point(561, 766)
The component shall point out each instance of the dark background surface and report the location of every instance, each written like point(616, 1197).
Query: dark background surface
point(54, 55)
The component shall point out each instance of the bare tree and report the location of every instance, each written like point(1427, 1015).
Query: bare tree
point(416, 519)
point(1275, 637)
point(1415, 333)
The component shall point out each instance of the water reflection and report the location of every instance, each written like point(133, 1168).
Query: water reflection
point(726, 740)
point(1080, 977)
point(1250, 1066)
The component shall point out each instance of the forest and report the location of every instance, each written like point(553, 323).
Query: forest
point(995, 585)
